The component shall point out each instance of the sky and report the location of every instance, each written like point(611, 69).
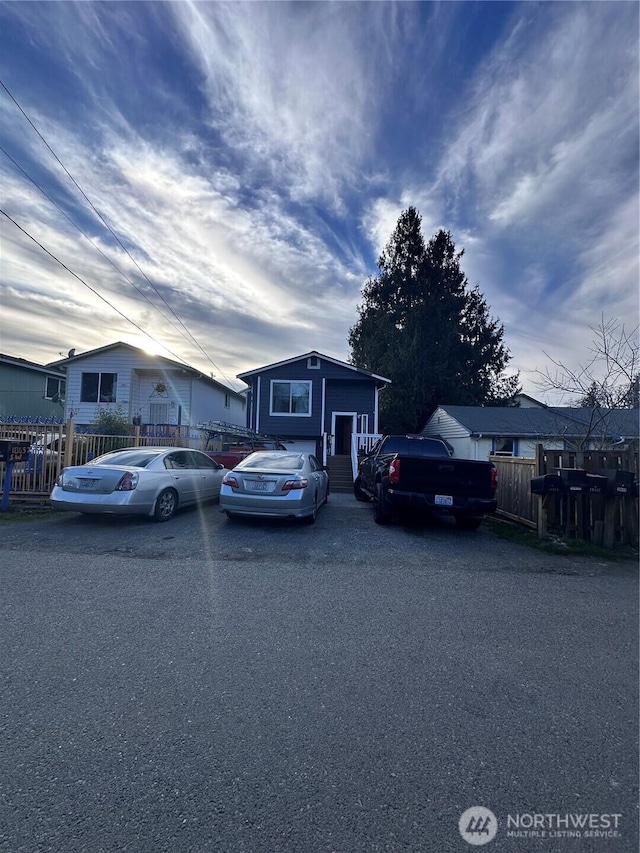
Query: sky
point(215, 181)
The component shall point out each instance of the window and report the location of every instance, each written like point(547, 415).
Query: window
point(159, 413)
point(290, 398)
point(313, 362)
point(54, 389)
point(98, 387)
point(227, 401)
point(179, 461)
point(504, 447)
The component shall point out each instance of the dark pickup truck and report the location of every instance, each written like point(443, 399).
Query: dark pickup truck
point(405, 473)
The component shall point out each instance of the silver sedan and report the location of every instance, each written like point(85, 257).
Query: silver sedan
point(152, 481)
point(275, 484)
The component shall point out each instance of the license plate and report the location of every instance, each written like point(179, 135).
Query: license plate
point(87, 485)
point(260, 487)
point(444, 500)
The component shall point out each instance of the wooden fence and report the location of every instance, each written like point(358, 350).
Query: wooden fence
point(607, 521)
point(514, 497)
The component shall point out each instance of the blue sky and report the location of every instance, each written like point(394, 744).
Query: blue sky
point(253, 160)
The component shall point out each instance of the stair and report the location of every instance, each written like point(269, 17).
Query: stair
point(340, 474)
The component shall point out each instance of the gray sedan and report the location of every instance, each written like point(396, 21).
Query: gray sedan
point(152, 481)
point(278, 484)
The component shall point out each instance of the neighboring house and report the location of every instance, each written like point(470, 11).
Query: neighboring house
point(30, 390)
point(527, 402)
point(476, 432)
point(313, 402)
point(150, 388)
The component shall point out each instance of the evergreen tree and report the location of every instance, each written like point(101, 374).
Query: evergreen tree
point(422, 327)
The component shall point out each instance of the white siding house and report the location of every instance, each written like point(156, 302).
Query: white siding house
point(478, 432)
point(147, 387)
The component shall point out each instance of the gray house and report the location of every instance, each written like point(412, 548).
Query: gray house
point(477, 432)
point(314, 403)
point(30, 390)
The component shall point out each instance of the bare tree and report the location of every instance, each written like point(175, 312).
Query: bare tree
point(607, 380)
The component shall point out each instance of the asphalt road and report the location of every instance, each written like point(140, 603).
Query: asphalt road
point(229, 687)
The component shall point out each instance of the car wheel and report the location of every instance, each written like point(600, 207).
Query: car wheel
point(311, 519)
point(381, 513)
point(468, 522)
point(166, 505)
point(359, 495)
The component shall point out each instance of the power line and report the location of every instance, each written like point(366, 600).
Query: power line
point(92, 289)
point(75, 224)
point(114, 235)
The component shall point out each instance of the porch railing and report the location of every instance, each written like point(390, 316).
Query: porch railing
point(361, 444)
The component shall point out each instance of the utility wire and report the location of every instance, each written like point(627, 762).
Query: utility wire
point(114, 235)
point(92, 289)
point(95, 246)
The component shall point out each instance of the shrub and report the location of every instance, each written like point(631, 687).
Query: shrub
point(110, 421)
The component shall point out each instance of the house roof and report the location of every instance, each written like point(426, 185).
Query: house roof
point(545, 422)
point(195, 374)
point(318, 355)
point(31, 365)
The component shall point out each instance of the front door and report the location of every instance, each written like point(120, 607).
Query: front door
point(343, 424)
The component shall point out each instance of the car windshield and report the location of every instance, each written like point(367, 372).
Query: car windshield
point(136, 458)
point(273, 461)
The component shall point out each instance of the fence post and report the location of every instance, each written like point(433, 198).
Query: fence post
point(136, 433)
point(542, 502)
point(68, 450)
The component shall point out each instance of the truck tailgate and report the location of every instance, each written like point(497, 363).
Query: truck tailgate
point(464, 477)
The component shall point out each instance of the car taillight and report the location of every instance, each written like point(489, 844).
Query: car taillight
point(494, 478)
point(60, 479)
point(300, 483)
point(128, 482)
point(230, 480)
point(394, 471)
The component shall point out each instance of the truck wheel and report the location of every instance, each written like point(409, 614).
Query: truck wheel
point(380, 510)
point(359, 495)
point(468, 522)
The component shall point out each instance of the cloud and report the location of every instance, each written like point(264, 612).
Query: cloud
point(289, 88)
point(552, 116)
point(254, 160)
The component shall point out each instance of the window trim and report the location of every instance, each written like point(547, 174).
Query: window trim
point(310, 365)
point(290, 414)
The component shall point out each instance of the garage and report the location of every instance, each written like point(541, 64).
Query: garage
point(300, 445)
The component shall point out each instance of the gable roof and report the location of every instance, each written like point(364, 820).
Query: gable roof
point(179, 365)
point(545, 422)
point(309, 355)
point(48, 369)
